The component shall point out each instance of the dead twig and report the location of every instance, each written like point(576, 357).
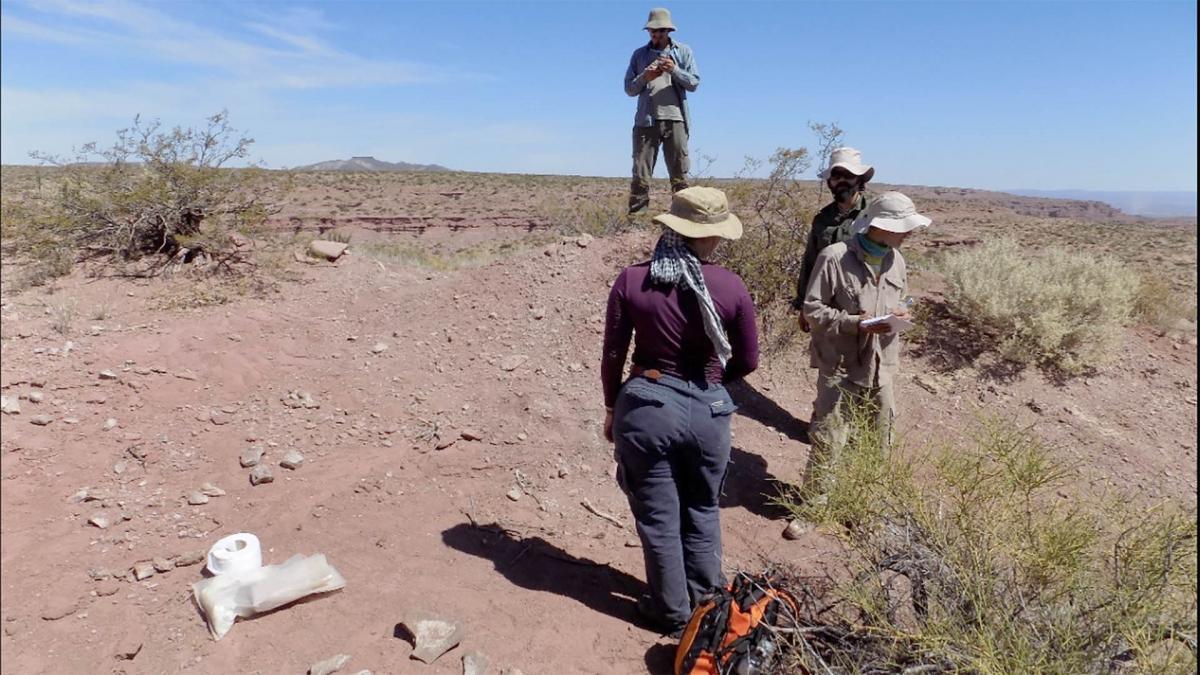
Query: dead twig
point(587, 504)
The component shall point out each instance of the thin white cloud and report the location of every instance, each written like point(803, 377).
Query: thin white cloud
point(291, 56)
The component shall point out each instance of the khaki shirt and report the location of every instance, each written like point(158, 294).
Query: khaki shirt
point(841, 288)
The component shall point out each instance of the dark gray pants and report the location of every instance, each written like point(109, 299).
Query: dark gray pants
point(672, 440)
point(673, 138)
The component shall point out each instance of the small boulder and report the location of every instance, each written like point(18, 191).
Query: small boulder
point(474, 663)
point(40, 420)
point(143, 570)
point(251, 456)
point(190, 558)
point(291, 460)
point(329, 250)
point(211, 490)
point(432, 635)
point(162, 565)
point(261, 474)
point(197, 498)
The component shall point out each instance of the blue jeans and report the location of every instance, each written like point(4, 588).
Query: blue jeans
point(672, 444)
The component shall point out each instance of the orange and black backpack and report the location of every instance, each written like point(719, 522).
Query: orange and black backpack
point(731, 631)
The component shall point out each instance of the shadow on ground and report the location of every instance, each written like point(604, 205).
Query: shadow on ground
point(535, 564)
point(762, 409)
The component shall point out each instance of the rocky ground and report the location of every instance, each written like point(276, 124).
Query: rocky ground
point(449, 424)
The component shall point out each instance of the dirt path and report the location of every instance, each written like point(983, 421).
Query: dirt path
point(498, 366)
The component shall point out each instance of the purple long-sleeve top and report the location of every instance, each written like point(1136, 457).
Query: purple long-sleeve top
point(670, 331)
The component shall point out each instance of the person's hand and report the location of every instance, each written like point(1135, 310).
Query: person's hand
point(651, 71)
point(901, 313)
point(804, 324)
point(874, 329)
point(608, 426)
point(666, 64)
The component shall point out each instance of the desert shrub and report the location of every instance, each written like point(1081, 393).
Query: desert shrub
point(168, 195)
point(1158, 305)
point(597, 216)
point(970, 560)
point(775, 213)
point(29, 238)
point(1050, 306)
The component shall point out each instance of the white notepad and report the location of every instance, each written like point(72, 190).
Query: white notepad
point(897, 324)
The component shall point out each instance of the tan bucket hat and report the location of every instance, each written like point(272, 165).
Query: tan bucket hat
point(850, 160)
point(698, 212)
point(891, 212)
point(659, 18)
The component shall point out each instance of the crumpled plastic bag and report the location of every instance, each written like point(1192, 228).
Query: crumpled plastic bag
point(225, 597)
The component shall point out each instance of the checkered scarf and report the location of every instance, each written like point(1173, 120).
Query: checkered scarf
point(675, 264)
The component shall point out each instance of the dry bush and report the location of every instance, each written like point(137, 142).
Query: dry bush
point(598, 216)
point(1158, 305)
point(968, 560)
point(154, 196)
point(1049, 306)
point(775, 213)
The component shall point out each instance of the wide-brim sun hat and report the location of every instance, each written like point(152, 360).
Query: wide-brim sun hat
point(659, 18)
point(850, 160)
point(891, 212)
point(699, 212)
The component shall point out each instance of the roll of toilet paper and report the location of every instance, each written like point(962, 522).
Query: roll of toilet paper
point(235, 553)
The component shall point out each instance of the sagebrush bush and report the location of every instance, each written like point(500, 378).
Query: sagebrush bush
point(1056, 307)
point(159, 193)
point(970, 560)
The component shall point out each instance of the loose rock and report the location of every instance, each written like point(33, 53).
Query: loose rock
point(219, 418)
point(514, 494)
point(794, 530)
point(329, 665)
point(36, 397)
point(196, 498)
point(251, 456)
point(212, 490)
point(40, 420)
point(110, 424)
point(291, 460)
point(379, 348)
point(189, 558)
point(474, 663)
point(10, 405)
point(432, 636)
point(470, 435)
point(128, 650)
point(107, 588)
point(511, 363)
point(143, 570)
point(261, 474)
point(162, 565)
point(100, 520)
point(108, 375)
point(329, 250)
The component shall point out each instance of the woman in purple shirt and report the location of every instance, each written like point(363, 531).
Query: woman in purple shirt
point(694, 329)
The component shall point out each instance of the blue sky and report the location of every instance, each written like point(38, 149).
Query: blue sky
point(1052, 95)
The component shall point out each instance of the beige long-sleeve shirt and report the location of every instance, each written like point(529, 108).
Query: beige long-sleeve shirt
point(841, 289)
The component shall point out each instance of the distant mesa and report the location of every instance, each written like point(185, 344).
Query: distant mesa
point(368, 164)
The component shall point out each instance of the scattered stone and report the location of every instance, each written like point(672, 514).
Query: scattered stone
point(539, 313)
point(78, 497)
point(162, 565)
point(514, 494)
point(379, 348)
point(432, 636)
point(100, 520)
point(143, 570)
point(129, 649)
point(108, 375)
point(186, 375)
point(329, 250)
point(563, 472)
point(583, 240)
point(511, 363)
point(1036, 407)
point(575, 367)
point(521, 436)
point(212, 490)
point(474, 663)
point(299, 399)
point(99, 573)
point(292, 459)
point(189, 558)
point(196, 498)
point(261, 474)
point(329, 665)
point(60, 608)
point(119, 467)
point(142, 370)
point(251, 456)
point(511, 671)
point(794, 530)
point(470, 435)
point(40, 420)
point(219, 418)
point(137, 452)
point(36, 397)
point(110, 424)
point(10, 405)
point(107, 588)
point(927, 384)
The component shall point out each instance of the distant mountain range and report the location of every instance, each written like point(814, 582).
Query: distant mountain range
point(1138, 203)
point(368, 164)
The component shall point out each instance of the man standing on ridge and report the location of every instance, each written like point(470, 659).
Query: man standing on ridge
point(660, 75)
point(847, 179)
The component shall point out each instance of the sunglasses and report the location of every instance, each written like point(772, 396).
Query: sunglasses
point(660, 30)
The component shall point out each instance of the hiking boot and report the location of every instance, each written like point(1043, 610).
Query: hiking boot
point(647, 612)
